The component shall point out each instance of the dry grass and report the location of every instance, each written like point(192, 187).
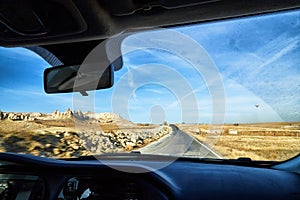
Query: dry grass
point(268, 141)
point(107, 127)
point(28, 137)
point(277, 148)
point(55, 123)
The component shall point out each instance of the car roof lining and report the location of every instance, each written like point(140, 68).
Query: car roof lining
point(103, 20)
point(107, 18)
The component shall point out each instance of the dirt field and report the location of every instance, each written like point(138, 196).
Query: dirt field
point(266, 141)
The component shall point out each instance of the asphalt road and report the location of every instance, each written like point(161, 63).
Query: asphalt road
point(179, 143)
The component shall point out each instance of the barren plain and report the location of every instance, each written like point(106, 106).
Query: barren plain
point(276, 141)
point(72, 134)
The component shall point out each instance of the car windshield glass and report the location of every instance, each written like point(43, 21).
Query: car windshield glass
point(224, 89)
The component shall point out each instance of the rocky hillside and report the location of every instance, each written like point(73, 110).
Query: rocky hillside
point(68, 114)
point(56, 134)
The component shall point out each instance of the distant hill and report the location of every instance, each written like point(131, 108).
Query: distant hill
point(68, 114)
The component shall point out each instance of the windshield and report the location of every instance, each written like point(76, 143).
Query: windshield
point(225, 90)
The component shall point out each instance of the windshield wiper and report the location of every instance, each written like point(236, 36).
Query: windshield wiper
point(241, 161)
point(135, 156)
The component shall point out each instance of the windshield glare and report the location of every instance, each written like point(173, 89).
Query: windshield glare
point(225, 90)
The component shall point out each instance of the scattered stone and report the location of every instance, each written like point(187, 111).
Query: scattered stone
point(35, 146)
point(56, 151)
point(48, 145)
point(128, 148)
point(66, 134)
point(74, 146)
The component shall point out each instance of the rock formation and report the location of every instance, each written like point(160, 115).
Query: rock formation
point(63, 115)
point(1, 115)
point(19, 116)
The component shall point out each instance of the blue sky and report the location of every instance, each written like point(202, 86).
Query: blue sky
point(257, 59)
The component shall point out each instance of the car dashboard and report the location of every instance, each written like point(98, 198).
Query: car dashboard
point(135, 178)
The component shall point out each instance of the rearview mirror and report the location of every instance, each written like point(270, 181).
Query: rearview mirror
point(78, 78)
